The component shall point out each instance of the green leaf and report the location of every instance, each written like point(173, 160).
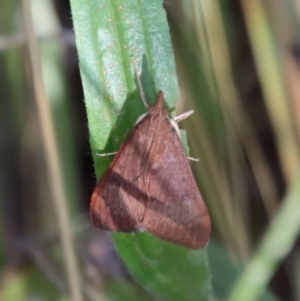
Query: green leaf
point(124, 291)
point(169, 271)
point(27, 284)
point(225, 272)
point(275, 245)
point(109, 36)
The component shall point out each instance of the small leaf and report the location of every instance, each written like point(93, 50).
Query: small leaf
point(111, 36)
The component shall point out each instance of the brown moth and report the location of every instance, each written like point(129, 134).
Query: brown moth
point(149, 186)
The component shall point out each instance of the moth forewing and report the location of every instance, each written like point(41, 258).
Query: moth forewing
point(149, 185)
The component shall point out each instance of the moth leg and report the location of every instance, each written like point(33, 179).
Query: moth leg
point(174, 124)
point(183, 116)
point(193, 159)
point(107, 154)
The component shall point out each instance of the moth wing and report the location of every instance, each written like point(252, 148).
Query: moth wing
point(175, 210)
point(118, 201)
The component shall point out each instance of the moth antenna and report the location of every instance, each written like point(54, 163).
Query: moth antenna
point(183, 116)
point(138, 78)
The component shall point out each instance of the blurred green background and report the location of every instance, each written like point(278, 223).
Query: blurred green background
point(237, 63)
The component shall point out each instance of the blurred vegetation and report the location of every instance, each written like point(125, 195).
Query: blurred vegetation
point(237, 65)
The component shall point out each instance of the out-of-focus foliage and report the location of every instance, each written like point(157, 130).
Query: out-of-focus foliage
point(238, 66)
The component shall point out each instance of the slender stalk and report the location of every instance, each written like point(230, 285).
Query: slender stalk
point(276, 244)
point(52, 157)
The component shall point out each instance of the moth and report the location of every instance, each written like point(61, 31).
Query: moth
point(149, 186)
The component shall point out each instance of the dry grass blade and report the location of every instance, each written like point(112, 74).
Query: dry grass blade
point(55, 176)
